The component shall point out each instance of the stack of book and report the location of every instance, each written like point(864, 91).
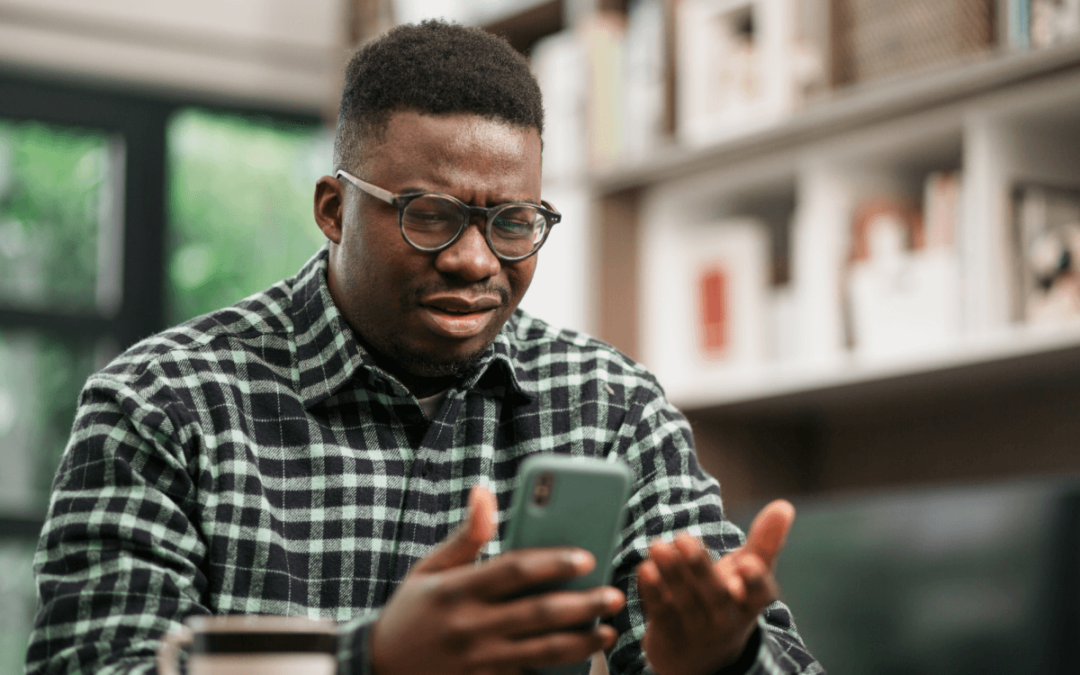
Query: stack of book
point(604, 87)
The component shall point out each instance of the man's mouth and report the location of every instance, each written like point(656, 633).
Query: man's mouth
point(459, 317)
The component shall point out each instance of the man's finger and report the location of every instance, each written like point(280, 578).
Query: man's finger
point(675, 568)
point(769, 531)
point(713, 590)
point(727, 571)
point(654, 596)
point(466, 542)
point(516, 572)
point(761, 588)
point(559, 610)
point(553, 648)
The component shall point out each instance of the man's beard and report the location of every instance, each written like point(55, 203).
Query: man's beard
point(420, 365)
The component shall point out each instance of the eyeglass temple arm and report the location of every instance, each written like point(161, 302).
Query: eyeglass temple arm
point(373, 190)
point(547, 205)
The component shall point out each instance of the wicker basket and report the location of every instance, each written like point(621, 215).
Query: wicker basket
point(882, 38)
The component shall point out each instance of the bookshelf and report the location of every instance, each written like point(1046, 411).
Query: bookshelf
point(994, 398)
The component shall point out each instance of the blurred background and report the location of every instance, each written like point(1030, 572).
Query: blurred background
point(843, 233)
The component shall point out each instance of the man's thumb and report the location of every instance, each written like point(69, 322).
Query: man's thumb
point(465, 542)
point(769, 531)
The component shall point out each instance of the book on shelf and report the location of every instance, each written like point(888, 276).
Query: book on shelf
point(580, 72)
point(643, 85)
point(1047, 253)
point(903, 274)
point(941, 208)
point(1014, 19)
point(557, 62)
point(603, 34)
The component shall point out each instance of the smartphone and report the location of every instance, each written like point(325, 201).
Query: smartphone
point(570, 501)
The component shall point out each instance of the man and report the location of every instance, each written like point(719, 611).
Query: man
point(341, 444)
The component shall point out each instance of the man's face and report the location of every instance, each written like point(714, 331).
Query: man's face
point(429, 315)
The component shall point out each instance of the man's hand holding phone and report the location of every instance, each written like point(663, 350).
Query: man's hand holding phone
point(702, 614)
point(451, 616)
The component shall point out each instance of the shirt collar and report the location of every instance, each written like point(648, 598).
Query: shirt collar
point(328, 354)
point(501, 363)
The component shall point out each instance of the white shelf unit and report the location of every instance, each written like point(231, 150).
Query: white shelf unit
point(997, 400)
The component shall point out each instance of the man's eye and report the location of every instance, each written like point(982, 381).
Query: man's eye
point(427, 219)
point(506, 227)
point(427, 215)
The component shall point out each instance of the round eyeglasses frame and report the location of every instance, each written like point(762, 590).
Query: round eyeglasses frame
point(551, 216)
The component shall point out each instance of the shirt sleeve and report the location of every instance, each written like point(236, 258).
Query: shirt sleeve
point(121, 558)
point(673, 494)
point(118, 562)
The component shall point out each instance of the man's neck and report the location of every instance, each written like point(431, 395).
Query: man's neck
point(422, 387)
point(419, 385)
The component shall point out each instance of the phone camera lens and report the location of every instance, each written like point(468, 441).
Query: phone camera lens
point(545, 482)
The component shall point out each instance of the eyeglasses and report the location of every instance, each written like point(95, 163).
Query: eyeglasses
point(431, 221)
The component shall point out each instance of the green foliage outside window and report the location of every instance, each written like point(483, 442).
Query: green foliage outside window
point(56, 201)
point(19, 599)
point(240, 218)
point(40, 379)
point(54, 198)
point(240, 206)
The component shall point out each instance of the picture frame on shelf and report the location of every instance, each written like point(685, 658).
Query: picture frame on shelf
point(1047, 253)
point(710, 299)
point(734, 67)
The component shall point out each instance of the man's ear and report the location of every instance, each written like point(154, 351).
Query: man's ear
point(329, 206)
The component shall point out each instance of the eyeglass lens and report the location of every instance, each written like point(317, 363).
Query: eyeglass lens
point(431, 221)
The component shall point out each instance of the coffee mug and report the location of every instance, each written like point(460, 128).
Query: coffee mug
point(251, 645)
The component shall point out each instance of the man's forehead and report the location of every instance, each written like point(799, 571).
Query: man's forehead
point(435, 130)
point(461, 127)
point(454, 142)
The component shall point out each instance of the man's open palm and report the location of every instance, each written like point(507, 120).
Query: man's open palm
point(701, 614)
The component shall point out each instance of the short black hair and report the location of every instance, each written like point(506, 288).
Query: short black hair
point(434, 68)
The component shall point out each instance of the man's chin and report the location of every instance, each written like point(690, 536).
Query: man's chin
point(435, 365)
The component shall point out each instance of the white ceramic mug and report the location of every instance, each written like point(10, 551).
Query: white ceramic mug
point(251, 645)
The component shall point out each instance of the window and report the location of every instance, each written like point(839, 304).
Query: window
point(120, 215)
point(240, 205)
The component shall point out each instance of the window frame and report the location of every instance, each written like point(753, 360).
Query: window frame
point(142, 121)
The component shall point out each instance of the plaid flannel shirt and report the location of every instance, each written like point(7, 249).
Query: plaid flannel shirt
point(256, 461)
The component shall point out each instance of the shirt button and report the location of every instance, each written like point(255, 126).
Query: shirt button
point(427, 469)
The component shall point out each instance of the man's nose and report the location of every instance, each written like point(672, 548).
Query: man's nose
point(470, 257)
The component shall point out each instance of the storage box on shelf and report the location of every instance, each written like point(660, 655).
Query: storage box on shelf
point(876, 39)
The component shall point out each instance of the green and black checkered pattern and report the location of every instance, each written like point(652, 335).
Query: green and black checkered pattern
point(255, 461)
